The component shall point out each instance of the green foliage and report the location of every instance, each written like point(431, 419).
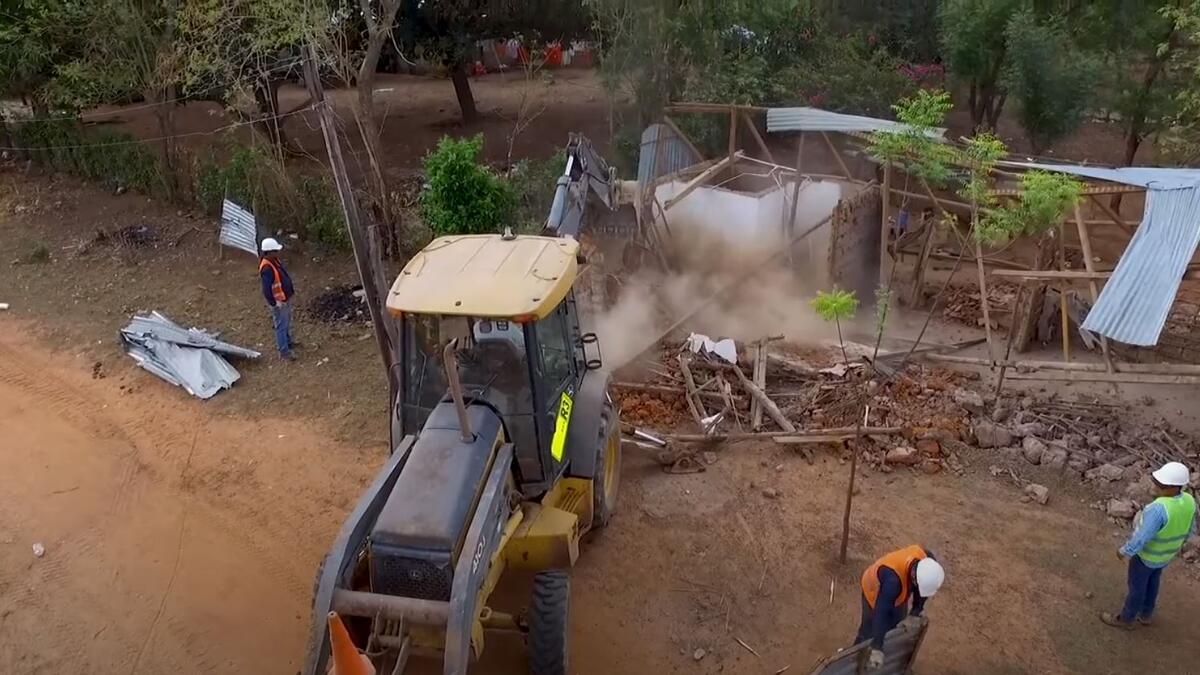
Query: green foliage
point(847, 75)
point(1052, 82)
point(915, 148)
point(461, 195)
point(836, 305)
point(1045, 199)
point(980, 156)
point(253, 178)
point(883, 306)
point(533, 182)
point(36, 38)
point(109, 157)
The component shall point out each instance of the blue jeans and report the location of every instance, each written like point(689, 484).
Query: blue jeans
point(1143, 590)
point(281, 318)
point(894, 616)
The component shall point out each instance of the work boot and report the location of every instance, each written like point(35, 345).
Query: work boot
point(1115, 621)
point(1146, 620)
point(287, 356)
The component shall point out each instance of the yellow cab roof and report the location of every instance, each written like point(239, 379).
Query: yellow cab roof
point(487, 276)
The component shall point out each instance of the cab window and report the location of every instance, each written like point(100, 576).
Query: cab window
point(557, 353)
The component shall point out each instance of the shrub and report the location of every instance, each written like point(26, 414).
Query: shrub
point(115, 159)
point(462, 196)
point(533, 182)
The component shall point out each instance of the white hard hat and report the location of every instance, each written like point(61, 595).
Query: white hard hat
point(1172, 474)
point(930, 576)
point(270, 244)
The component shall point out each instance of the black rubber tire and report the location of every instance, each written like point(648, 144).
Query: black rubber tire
point(604, 494)
point(548, 623)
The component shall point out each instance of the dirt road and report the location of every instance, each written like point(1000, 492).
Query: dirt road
point(182, 541)
point(175, 542)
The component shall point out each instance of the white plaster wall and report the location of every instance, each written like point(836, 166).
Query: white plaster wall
point(752, 224)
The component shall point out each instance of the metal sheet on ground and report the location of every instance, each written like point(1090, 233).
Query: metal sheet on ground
point(900, 649)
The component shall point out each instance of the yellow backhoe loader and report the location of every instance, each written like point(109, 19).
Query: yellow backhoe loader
point(506, 451)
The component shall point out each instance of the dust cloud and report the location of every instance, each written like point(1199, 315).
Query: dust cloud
point(773, 301)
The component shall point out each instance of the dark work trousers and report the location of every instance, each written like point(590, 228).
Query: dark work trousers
point(1143, 590)
point(894, 616)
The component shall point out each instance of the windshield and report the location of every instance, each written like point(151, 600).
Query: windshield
point(491, 364)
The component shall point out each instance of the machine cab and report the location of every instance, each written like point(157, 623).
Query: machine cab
point(506, 304)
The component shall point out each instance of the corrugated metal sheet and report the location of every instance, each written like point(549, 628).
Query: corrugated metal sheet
point(662, 154)
point(1135, 303)
point(238, 228)
point(900, 649)
point(815, 119)
point(186, 358)
point(1153, 178)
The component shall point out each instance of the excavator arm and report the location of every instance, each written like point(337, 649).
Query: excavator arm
point(585, 171)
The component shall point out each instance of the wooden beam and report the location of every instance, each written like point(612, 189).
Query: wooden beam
point(702, 178)
point(840, 433)
point(1090, 190)
point(683, 137)
point(837, 155)
point(1060, 275)
point(693, 107)
point(1085, 243)
point(983, 294)
point(1128, 378)
point(762, 144)
point(1113, 215)
point(1130, 368)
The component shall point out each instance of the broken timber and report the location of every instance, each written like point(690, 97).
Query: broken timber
point(789, 437)
point(701, 179)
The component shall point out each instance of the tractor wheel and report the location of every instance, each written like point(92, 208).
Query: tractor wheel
point(608, 468)
point(548, 623)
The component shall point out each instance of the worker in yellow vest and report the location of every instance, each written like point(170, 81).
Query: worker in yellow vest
point(887, 585)
point(1164, 525)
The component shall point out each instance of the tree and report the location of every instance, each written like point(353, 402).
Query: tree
point(446, 31)
point(127, 49)
point(463, 196)
point(975, 47)
point(240, 52)
point(36, 38)
point(1052, 82)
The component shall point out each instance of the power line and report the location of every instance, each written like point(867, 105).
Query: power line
point(139, 141)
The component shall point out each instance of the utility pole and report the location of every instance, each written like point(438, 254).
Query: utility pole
point(366, 252)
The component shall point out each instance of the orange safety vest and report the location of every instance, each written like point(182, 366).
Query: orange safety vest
point(899, 562)
point(277, 285)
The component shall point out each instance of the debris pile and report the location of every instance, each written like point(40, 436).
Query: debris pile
point(186, 357)
point(340, 304)
point(1092, 439)
point(130, 236)
point(962, 303)
point(800, 397)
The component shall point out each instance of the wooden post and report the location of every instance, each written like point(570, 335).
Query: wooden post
point(983, 296)
point(762, 144)
point(886, 197)
point(366, 254)
point(1085, 243)
point(684, 137)
point(1012, 333)
point(837, 156)
point(1062, 295)
point(733, 125)
point(1108, 211)
point(916, 293)
point(854, 450)
point(693, 397)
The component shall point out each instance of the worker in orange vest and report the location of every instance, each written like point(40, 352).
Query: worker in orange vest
point(277, 289)
point(887, 585)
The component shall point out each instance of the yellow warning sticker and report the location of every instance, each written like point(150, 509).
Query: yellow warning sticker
point(559, 443)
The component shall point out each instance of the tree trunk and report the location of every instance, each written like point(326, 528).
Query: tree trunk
point(369, 125)
point(462, 89)
point(1025, 316)
point(164, 113)
point(266, 95)
point(1133, 141)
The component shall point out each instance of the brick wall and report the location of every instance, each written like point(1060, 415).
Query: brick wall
point(854, 244)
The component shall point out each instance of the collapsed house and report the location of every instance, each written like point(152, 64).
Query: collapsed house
point(839, 218)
